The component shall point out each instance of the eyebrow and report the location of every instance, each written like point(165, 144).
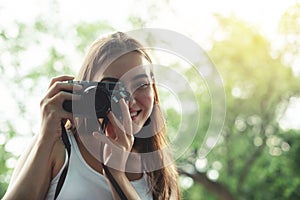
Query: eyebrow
point(111, 79)
point(140, 76)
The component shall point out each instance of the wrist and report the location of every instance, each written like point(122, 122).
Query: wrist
point(118, 175)
point(50, 133)
point(45, 142)
point(117, 159)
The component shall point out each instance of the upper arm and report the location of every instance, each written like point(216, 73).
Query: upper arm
point(58, 156)
point(35, 169)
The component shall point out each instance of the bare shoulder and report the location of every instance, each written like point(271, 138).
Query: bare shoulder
point(58, 157)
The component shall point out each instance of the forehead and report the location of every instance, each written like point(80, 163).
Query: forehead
point(128, 66)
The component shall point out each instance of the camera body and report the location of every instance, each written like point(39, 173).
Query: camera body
point(96, 98)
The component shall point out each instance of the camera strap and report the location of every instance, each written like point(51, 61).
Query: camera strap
point(67, 144)
point(114, 183)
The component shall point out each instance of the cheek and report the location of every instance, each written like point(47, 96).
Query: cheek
point(146, 101)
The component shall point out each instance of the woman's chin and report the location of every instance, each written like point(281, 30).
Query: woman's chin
point(136, 129)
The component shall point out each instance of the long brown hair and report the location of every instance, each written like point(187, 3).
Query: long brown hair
point(102, 53)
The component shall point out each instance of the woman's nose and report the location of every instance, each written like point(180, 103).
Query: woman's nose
point(132, 100)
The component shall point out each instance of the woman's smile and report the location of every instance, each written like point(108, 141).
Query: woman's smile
point(134, 114)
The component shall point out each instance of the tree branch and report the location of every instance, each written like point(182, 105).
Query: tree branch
point(248, 165)
point(213, 187)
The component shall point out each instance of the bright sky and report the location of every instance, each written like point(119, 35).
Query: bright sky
point(186, 17)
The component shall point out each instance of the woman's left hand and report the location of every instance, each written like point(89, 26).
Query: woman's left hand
point(118, 139)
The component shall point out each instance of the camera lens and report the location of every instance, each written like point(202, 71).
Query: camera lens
point(102, 102)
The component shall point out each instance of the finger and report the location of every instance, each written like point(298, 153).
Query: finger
point(114, 145)
point(115, 122)
point(126, 140)
point(55, 105)
point(112, 155)
point(63, 86)
point(119, 130)
point(60, 78)
point(103, 138)
point(127, 122)
point(62, 96)
point(105, 144)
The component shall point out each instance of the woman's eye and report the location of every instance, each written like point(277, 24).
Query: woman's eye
point(142, 85)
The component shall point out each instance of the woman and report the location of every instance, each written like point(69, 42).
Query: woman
point(140, 130)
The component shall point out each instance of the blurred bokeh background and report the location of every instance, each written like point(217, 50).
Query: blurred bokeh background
point(255, 46)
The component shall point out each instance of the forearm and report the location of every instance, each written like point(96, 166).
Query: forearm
point(125, 185)
point(33, 178)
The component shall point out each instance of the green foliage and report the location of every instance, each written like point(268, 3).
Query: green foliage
point(253, 152)
point(197, 193)
point(88, 32)
point(279, 177)
point(136, 21)
point(7, 132)
point(4, 170)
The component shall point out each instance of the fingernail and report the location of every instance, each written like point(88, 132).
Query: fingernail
point(96, 134)
point(77, 87)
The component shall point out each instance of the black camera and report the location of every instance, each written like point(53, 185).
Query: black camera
point(97, 98)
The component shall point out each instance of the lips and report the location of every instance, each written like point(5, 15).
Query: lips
point(134, 114)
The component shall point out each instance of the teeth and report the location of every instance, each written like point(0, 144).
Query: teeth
point(133, 114)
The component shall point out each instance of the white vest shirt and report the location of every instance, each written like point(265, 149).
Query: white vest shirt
point(83, 182)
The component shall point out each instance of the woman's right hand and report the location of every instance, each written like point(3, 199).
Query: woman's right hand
point(51, 107)
point(44, 157)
